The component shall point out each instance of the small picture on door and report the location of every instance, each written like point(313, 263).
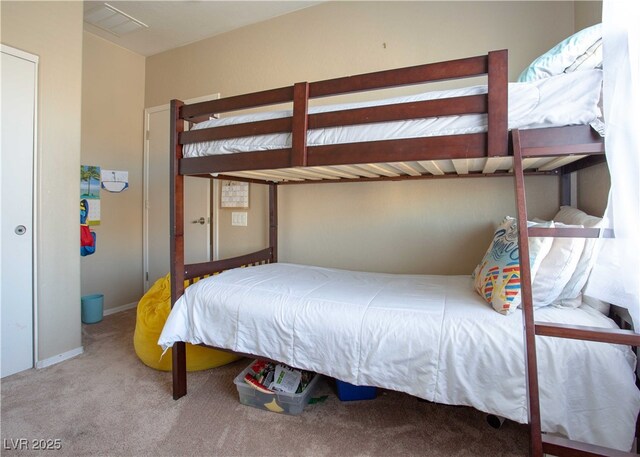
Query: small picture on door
point(234, 194)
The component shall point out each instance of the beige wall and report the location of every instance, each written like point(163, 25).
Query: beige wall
point(53, 31)
point(338, 38)
point(587, 13)
point(238, 240)
point(112, 138)
point(438, 226)
point(432, 226)
point(593, 189)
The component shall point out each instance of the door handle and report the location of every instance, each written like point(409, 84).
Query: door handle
point(200, 221)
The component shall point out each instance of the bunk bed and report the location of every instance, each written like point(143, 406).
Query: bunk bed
point(335, 144)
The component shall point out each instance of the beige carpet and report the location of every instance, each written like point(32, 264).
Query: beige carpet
point(106, 402)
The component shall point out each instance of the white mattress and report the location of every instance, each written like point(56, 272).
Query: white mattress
point(429, 336)
point(567, 99)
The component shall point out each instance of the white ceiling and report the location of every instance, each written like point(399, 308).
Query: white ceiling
point(177, 23)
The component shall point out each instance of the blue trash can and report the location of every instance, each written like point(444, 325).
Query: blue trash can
point(92, 306)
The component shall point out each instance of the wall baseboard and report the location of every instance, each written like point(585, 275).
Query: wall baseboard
point(117, 309)
point(59, 358)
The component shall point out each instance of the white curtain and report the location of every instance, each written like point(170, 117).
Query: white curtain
point(616, 275)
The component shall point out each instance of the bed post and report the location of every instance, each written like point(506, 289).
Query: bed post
point(299, 125)
point(498, 131)
point(273, 221)
point(566, 191)
point(176, 215)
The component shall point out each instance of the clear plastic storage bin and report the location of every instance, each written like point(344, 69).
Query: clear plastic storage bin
point(279, 402)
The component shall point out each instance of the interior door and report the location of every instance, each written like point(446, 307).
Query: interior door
point(19, 71)
point(197, 193)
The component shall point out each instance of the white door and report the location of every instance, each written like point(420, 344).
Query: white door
point(19, 75)
point(197, 191)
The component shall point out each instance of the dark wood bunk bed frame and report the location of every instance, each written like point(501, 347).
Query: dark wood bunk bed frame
point(497, 142)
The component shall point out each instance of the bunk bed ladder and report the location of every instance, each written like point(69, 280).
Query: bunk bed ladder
point(539, 443)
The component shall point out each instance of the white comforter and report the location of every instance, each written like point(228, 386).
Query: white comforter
point(429, 336)
point(566, 99)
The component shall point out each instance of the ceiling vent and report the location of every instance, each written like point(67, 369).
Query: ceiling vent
point(113, 20)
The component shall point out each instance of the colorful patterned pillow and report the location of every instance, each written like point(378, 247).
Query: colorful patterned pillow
point(497, 276)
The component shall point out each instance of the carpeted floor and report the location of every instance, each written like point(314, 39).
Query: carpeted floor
point(106, 402)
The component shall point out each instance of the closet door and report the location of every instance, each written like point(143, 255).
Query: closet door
point(19, 76)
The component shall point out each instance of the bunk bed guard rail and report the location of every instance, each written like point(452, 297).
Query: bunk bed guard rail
point(493, 143)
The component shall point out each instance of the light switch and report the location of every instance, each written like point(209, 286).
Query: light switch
point(239, 218)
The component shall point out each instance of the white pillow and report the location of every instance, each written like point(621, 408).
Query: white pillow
point(581, 51)
point(573, 288)
point(556, 268)
point(596, 304)
point(497, 276)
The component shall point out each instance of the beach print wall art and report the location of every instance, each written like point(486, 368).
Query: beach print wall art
point(90, 191)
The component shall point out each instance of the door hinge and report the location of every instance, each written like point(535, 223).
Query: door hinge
point(147, 134)
point(147, 276)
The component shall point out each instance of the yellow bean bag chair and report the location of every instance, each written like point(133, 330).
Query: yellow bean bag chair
point(153, 310)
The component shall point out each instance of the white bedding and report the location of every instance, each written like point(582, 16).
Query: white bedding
point(429, 336)
point(566, 99)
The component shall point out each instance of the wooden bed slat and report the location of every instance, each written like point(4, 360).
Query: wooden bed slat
point(303, 173)
point(558, 446)
point(313, 173)
point(495, 163)
point(247, 177)
point(358, 170)
point(583, 163)
point(431, 167)
point(407, 167)
point(559, 162)
point(527, 164)
point(382, 169)
point(461, 166)
point(275, 174)
point(336, 172)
